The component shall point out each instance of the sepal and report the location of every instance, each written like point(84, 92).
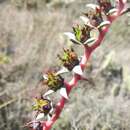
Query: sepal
point(72, 37)
point(40, 117)
point(89, 41)
point(86, 21)
point(77, 69)
point(48, 117)
point(62, 71)
point(114, 10)
point(48, 93)
point(45, 77)
point(63, 93)
point(104, 23)
point(93, 6)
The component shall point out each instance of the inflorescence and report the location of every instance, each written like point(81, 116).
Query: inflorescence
point(98, 18)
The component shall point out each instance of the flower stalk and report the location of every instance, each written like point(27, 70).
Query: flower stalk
point(70, 59)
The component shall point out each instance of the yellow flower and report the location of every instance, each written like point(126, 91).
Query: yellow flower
point(39, 103)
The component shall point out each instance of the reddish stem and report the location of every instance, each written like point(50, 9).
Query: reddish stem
point(88, 51)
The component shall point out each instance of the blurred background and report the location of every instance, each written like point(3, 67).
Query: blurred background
point(31, 36)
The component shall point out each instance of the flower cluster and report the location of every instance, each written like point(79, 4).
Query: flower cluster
point(53, 80)
point(107, 7)
point(81, 34)
point(98, 18)
point(69, 59)
point(42, 105)
point(95, 16)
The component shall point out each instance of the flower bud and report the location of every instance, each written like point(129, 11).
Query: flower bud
point(53, 80)
point(95, 17)
point(107, 6)
point(69, 59)
point(82, 33)
point(42, 105)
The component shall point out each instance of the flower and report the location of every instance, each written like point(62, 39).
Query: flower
point(43, 107)
point(107, 7)
point(94, 16)
point(55, 82)
point(81, 34)
point(70, 61)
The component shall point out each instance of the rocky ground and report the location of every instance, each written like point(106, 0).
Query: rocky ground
point(31, 36)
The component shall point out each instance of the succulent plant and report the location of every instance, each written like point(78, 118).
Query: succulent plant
point(94, 19)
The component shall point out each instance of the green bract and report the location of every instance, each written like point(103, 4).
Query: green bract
point(78, 33)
